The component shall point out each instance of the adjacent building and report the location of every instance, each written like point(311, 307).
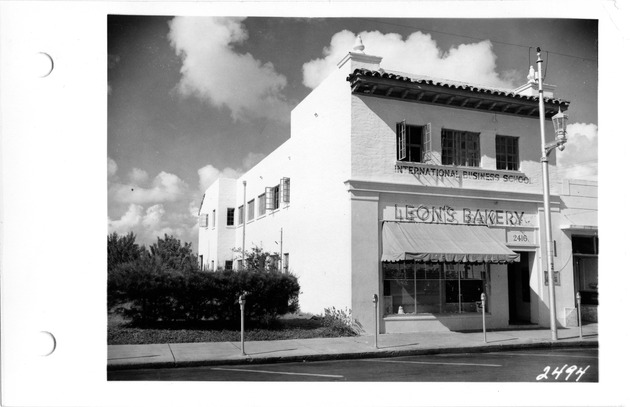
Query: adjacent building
point(423, 191)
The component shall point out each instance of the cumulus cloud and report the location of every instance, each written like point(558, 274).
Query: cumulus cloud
point(138, 176)
point(209, 174)
point(153, 216)
point(153, 222)
point(129, 221)
point(164, 188)
point(112, 167)
point(579, 158)
point(417, 54)
point(213, 71)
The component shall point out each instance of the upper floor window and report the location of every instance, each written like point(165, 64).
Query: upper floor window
point(460, 148)
point(261, 204)
point(240, 215)
point(203, 220)
point(230, 216)
point(507, 153)
point(214, 217)
point(413, 142)
point(273, 197)
point(286, 190)
point(250, 210)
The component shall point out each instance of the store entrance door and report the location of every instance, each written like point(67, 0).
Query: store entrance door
point(519, 291)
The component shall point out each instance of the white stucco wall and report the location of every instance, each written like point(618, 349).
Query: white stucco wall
point(320, 133)
point(216, 243)
point(374, 143)
point(264, 230)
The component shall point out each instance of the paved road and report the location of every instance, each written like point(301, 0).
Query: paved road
point(562, 365)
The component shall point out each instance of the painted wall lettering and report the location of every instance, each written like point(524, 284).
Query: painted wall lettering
point(461, 174)
point(447, 214)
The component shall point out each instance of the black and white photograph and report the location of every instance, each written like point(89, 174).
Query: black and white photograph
point(212, 203)
point(297, 198)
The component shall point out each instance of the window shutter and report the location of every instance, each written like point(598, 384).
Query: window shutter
point(203, 220)
point(286, 189)
point(401, 135)
point(426, 140)
point(269, 198)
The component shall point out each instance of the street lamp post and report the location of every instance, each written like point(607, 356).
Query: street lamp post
point(559, 123)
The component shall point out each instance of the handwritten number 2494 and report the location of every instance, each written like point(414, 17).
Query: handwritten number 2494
point(557, 372)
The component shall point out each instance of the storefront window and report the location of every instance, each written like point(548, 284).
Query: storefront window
point(585, 255)
point(417, 288)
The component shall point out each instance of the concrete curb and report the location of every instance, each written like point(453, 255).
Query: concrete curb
point(358, 355)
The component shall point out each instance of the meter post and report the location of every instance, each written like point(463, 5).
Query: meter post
point(241, 302)
point(579, 310)
point(483, 315)
point(375, 301)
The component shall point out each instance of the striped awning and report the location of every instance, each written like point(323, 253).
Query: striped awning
point(427, 242)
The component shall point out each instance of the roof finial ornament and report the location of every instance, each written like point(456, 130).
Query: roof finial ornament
point(531, 78)
point(358, 45)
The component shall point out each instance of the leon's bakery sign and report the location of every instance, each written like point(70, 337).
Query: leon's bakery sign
point(466, 216)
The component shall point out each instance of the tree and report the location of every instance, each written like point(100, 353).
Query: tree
point(260, 261)
point(122, 249)
point(169, 255)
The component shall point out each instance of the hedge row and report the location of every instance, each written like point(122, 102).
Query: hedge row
point(151, 294)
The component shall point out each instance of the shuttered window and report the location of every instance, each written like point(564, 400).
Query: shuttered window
point(413, 142)
point(272, 197)
point(203, 220)
point(286, 190)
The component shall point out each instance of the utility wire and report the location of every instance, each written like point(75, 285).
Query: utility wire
point(478, 39)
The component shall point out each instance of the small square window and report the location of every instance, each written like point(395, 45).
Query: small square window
point(507, 153)
point(261, 204)
point(230, 216)
point(460, 148)
point(286, 190)
point(250, 210)
point(273, 198)
point(413, 142)
point(240, 215)
point(203, 220)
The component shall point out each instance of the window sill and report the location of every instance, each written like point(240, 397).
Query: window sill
point(431, 317)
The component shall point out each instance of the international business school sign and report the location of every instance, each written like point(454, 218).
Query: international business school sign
point(477, 175)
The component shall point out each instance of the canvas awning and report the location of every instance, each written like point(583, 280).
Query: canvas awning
point(427, 242)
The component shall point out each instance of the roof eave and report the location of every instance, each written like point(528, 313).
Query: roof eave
point(376, 84)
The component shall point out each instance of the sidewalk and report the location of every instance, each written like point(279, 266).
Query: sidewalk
point(224, 353)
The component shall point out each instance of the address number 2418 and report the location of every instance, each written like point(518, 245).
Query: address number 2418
point(517, 237)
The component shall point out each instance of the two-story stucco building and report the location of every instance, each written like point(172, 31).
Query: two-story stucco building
point(422, 191)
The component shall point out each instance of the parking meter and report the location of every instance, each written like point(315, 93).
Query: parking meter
point(375, 301)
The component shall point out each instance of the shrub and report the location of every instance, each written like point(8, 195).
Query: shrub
point(153, 294)
point(340, 321)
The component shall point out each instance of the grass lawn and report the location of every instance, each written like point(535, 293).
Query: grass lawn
point(121, 331)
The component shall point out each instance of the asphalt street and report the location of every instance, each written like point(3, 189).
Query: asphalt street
point(535, 365)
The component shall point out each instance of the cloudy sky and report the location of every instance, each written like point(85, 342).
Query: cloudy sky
point(191, 98)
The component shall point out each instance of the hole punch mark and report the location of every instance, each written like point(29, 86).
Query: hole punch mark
point(47, 65)
point(51, 337)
